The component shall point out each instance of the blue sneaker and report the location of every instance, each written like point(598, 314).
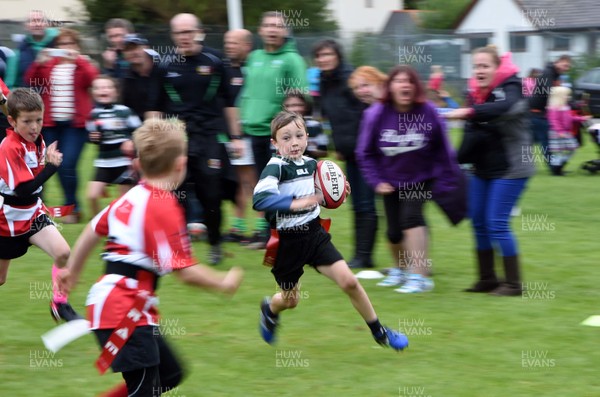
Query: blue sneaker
point(268, 325)
point(396, 340)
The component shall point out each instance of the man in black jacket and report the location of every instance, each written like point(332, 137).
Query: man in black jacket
point(344, 112)
point(539, 100)
point(192, 87)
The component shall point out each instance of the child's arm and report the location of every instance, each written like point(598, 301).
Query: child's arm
point(267, 197)
point(53, 160)
point(204, 277)
point(68, 276)
point(93, 126)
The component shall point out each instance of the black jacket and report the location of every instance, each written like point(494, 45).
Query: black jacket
point(490, 130)
point(543, 84)
point(342, 109)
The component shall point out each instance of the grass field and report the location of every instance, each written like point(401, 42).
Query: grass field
point(460, 344)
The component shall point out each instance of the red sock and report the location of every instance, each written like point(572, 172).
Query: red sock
point(117, 391)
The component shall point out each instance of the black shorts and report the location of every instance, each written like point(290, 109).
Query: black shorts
point(307, 244)
point(109, 174)
point(140, 350)
point(17, 246)
point(149, 365)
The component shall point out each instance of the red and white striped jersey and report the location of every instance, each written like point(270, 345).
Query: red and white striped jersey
point(145, 228)
point(20, 161)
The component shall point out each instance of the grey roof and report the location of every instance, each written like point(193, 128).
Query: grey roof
point(402, 23)
point(562, 14)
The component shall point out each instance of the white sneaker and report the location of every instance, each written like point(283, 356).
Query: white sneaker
point(395, 277)
point(416, 283)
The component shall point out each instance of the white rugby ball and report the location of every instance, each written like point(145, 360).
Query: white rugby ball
point(331, 182)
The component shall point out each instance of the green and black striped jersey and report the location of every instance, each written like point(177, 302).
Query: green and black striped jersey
point(281, 181)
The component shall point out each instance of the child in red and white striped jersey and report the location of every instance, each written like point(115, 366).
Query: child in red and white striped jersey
point(25, 164)
point(147, 238)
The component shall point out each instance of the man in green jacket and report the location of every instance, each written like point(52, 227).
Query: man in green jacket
point(39, 36)
point(271, 73)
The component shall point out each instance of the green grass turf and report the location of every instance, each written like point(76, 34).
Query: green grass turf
point(460, 344)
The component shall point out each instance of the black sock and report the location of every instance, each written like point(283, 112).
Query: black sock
point(376, 327)
point(267, 311)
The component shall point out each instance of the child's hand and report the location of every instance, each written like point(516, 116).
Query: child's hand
point(348, 189)
point(128, 149)
point(306, 203)
point(53, 156)
point(94, 136)
point(384, 188)
point(64, 281)
point(232, 280)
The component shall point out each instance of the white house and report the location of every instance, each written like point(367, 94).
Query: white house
point(56, 10)
point(535, 31)
point(355, 16)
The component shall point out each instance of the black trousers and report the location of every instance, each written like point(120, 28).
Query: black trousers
point(206, 161)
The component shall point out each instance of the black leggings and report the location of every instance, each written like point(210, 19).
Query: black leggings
point(404, 210)
point(261, 149)
point(156, 380)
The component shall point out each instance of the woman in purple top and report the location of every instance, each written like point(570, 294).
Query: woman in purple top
point(404, 153)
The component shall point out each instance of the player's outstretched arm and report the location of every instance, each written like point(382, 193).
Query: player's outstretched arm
point(69, 275)
point(205, 277)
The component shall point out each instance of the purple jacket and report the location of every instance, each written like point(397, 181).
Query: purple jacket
point(403, 149)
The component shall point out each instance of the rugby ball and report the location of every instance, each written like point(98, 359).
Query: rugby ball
point(330, 181)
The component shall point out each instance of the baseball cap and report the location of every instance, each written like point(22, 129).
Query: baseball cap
point(134, 38)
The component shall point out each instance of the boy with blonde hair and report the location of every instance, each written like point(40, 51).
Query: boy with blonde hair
point(147, 239)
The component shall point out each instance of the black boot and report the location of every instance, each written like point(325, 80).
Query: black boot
point(487, 276)
point(365, 232)
point(556, 170)
point(512, 286)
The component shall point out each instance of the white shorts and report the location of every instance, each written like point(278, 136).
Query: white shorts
point(248, 156)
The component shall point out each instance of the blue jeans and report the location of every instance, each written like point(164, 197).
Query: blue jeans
point(490, 203)
point(539, 129)
point(362, 195)
point(70, 144)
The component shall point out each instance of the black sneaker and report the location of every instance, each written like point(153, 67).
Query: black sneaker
point(259, 240)
point(63, 311)
point(234, 236)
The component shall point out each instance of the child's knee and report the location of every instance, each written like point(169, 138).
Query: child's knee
point(349, 284)
point(62, 255)
point(93, 196)
point(2, 279)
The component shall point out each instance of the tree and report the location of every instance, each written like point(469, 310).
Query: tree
point(311, 14)
point(412, 4)
point(444, 13)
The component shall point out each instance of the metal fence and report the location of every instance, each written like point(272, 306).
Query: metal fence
point(421, 50)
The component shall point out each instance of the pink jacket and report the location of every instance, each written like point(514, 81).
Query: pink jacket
point(561, 120)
